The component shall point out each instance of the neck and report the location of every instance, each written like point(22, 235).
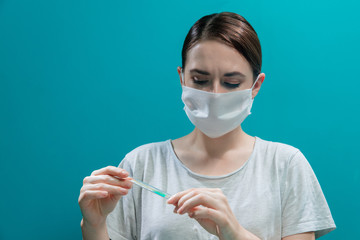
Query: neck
point(217, 147)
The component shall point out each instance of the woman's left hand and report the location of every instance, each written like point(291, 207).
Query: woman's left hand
point(210, 208)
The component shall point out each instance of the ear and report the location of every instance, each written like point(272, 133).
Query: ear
point(258, 84)
point(179, 70)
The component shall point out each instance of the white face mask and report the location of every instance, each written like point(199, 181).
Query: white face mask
point(216, 114)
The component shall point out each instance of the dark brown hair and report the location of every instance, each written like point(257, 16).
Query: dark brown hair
point(231, 29)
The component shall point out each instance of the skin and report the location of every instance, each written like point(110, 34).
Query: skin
point(98, 197)
point(209, 156)
point(104, 187)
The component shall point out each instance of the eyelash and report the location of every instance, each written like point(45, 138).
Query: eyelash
point(203, 82)
point(200, 82)
point(231, 85)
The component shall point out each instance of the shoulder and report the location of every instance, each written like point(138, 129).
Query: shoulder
point(146, 154)
point(278, 149)
point(149, 149)
point(278, 154)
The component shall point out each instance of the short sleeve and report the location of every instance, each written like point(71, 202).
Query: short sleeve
point(304, 207)
point(121, 222)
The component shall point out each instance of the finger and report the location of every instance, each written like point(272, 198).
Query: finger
point(92, 194)
point(210, 191)
point(115, 190)
point(204, 199)
point(124, 182)
point(111, 170)
point(186, 197)
point(208, 213)
point(175, 209)
point(175, 198)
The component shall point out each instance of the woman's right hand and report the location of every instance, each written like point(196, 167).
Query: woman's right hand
point(100, 193)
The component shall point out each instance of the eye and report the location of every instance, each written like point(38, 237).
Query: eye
point(198, 81)
point(231, 85)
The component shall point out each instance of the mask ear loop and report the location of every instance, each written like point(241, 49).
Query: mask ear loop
point(182, 77)
point(254, 85)
point(255, 82)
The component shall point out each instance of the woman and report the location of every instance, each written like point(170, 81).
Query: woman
point(226, 184)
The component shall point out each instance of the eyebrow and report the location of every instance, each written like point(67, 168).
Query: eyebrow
point(230, 74)
point(195, 70)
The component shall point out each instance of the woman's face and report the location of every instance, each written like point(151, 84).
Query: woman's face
point(215, 67)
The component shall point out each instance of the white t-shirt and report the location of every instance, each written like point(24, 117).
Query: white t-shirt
point(274, 194)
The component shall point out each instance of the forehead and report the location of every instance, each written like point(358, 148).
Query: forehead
point(215, 56)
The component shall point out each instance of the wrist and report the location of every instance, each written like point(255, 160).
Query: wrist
point(94, 231)
point(93, 225)
point(246, 235)
point(232, 232)
point(239, 233)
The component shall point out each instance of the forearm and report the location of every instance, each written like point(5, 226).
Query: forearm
point(94, 232)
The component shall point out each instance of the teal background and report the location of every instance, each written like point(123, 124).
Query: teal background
point(84, 82)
